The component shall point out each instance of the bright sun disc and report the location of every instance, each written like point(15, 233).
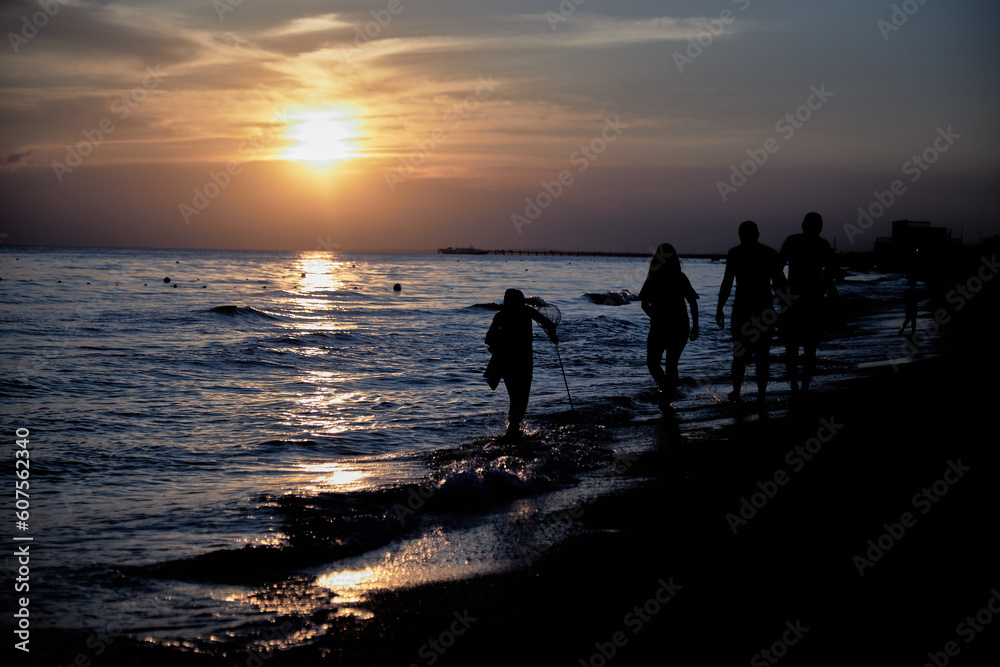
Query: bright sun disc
point(321, 136)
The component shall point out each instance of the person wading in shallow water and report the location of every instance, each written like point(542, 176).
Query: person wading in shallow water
point(509, 339)
point(754, 266)
point(810, 262)
point(662, 296)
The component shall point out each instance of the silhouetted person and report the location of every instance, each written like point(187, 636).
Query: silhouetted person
point(662, 296)
point(509, 339)
point(911, 297)
point(754, 266)
point(810, 263)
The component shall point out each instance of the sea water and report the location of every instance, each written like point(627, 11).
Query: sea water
point(219, 439)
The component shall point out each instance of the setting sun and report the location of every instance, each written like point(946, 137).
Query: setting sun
point(322, 136)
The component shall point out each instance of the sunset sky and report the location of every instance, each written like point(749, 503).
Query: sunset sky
point(416, 124)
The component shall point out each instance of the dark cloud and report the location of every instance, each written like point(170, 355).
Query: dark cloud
point(88, 31)
point(14, 158)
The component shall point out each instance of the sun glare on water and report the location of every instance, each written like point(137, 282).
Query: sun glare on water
point(322, 137)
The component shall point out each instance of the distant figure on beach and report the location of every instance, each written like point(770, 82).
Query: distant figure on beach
point(810, 264)
point(663, 296)
point(754, 267)
point(509, 340)
point(910, 297)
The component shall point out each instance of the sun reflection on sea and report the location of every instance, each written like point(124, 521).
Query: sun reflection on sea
point(334, 476)
point(320, 275)
point(318, 271)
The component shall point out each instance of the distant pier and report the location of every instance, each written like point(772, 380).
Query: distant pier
point(597, 253)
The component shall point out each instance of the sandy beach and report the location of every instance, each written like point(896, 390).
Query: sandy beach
point(859, 529)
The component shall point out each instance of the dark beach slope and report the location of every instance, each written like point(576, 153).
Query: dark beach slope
point(905, 459)
point(787, 581)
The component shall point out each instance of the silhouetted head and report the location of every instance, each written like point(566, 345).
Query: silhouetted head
point(812, 224)
point(749, 232)
point(912, 281)
point(665, 260)
point(513, 298)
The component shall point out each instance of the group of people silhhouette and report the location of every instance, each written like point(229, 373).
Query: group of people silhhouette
point(758, 272)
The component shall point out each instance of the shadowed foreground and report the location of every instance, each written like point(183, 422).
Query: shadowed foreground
point(873, 543)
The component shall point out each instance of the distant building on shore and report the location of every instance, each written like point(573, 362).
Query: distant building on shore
point(914, 246)
point(989, 244)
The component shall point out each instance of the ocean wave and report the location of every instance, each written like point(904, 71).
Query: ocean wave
point(315, 338)
point(242, 311)
point(612, 297)
point(465, 481)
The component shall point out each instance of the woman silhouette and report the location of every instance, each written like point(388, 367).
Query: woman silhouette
point(662, 296)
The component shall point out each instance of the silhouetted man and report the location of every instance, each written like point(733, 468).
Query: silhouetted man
point(509, 339)
point(810, 261)
point(754, 266)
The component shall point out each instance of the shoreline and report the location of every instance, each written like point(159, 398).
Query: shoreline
point(659, 575)
point(791, 565)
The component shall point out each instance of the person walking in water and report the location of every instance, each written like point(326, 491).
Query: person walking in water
point(663, 296)
point(810, 265)
point(911, 298)
point(754, 267)
point(509, 340)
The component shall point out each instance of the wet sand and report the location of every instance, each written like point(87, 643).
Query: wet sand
point(905, 459)
point(787, 581)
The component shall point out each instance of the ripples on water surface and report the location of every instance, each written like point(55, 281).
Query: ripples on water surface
point(293, 402)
